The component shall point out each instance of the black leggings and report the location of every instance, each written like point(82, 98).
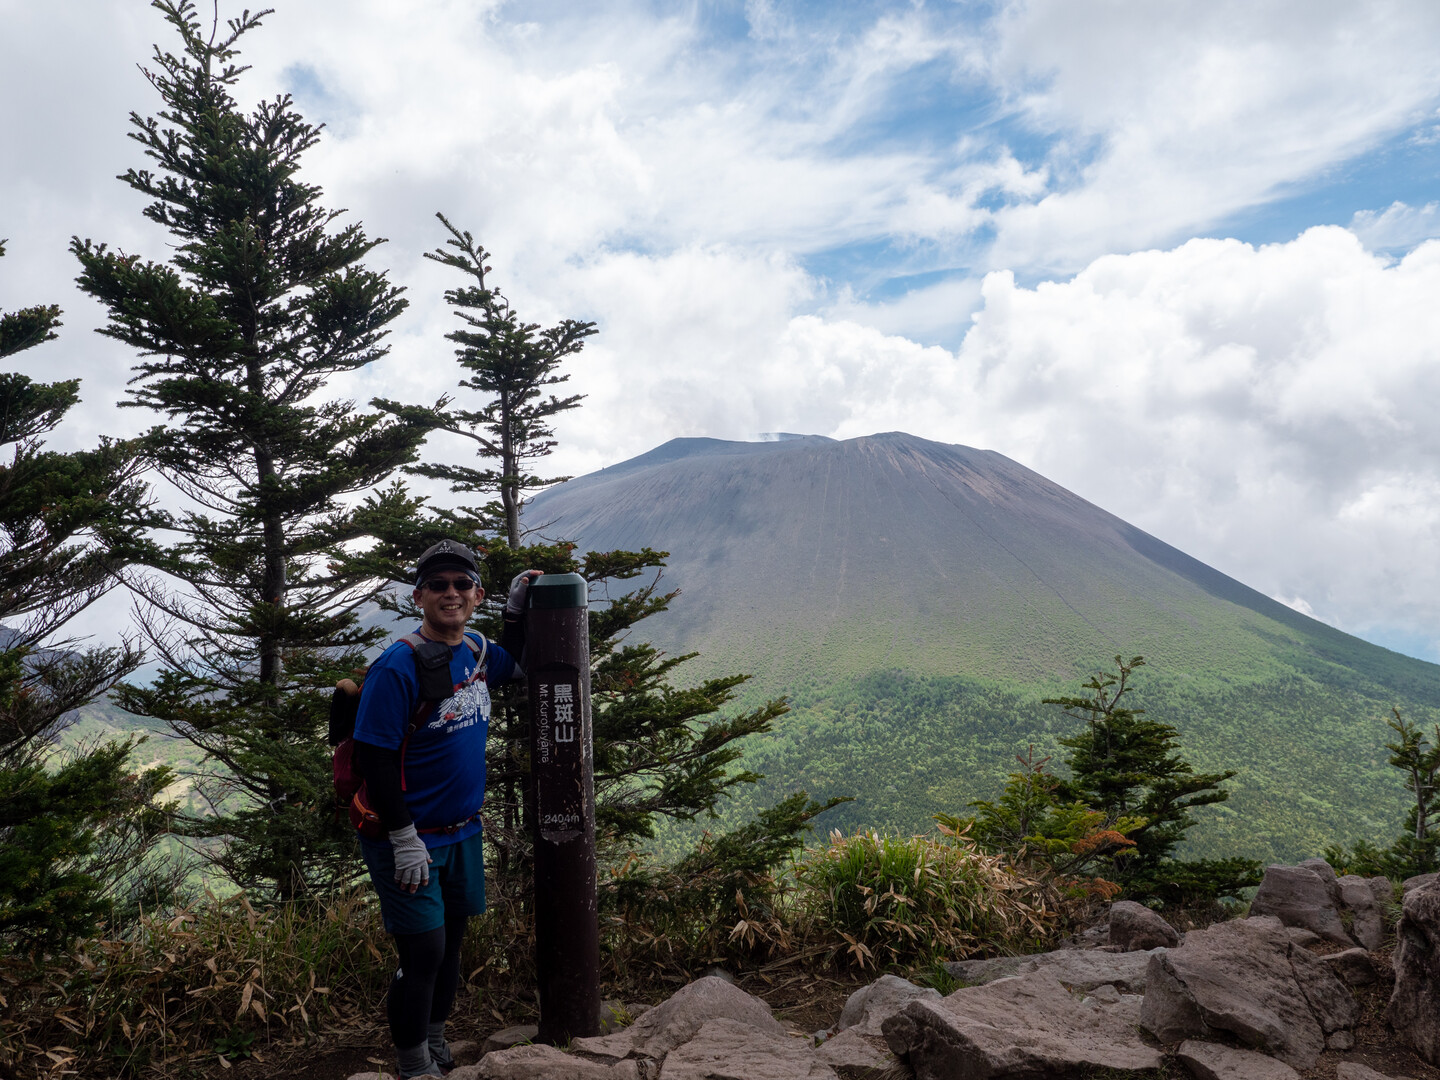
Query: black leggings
point(423, 990)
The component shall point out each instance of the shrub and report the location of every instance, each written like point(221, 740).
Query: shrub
point(907, 900)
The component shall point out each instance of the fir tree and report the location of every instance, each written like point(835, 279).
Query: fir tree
point(71, 823)
point(1127, 766)
point(264, 299)
point(511, 363)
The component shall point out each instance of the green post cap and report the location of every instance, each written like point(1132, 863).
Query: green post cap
point(550, 591)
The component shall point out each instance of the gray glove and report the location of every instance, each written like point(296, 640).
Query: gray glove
point(412, 860)
point(519, 587)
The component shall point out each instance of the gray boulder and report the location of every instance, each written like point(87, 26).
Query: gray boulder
point(1353, 967)
point(1134, 927)
point(1302, 937)
point(1368, 923)
point(727, 1049)
point(869, 1006)
point(1028, 1026)
point(676, 1021)
point(1211, 1061)
point(1298, 896)
point(1234, 977)
point(1079, 969)
point(1414, 1009)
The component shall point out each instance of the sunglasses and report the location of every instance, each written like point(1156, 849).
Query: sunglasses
point(440, 585)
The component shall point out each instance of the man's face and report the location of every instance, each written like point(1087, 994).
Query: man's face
point(446, 603)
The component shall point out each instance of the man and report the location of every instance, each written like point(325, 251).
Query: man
point(425, 779)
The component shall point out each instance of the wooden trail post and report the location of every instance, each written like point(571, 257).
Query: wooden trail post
point(567, 931)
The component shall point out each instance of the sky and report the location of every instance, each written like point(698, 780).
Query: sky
point(1180, 258)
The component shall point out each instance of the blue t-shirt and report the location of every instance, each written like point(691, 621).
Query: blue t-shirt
point(444, 766)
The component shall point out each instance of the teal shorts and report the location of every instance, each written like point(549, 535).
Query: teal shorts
point(457, 885)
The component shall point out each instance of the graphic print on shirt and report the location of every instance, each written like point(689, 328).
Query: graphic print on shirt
point(469, 704)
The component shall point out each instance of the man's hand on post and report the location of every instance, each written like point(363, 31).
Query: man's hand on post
point(519, 587)
point(412, 860)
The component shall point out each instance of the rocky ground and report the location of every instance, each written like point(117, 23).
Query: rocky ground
point(1312, 984)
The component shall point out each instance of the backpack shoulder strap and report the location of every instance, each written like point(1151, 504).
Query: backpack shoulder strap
point(478, 649)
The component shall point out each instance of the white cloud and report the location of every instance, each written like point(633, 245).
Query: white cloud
point(1398, 227)
point(1174, 116)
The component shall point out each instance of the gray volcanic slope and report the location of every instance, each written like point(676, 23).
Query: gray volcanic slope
point(818, 565)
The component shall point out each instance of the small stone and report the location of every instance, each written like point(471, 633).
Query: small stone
point(730, 1050)
point(505, 1038)
point(1105, 995)
point(1353, 966)
point(675, 1021)
point(373, 1074)
point(1302, 937)
point(1353, 1070)
point(465, 1051)
point(613, 1016)
point(1211, 1061)
point(869, 1007)
point(1419, 881)
point(854, 1050)
point(538, 1062)
point(1134, 926)
point(1340, 1040)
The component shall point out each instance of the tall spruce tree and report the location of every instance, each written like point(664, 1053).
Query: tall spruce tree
point(264, 299)
point(69, 522)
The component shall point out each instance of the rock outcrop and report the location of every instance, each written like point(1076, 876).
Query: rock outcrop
point(1309, 897)
point(1414, 1010)
point(1245, 978)
point(1025, 1026)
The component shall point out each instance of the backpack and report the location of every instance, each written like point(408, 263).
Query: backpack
point(432, 675)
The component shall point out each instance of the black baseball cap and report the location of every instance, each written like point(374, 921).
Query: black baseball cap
point(446, 555)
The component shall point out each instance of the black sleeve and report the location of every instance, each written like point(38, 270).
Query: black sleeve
point(381, 770)
point(512, 636)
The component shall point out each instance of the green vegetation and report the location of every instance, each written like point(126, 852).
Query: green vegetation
point(905, 900)
point(74, 827)
point(907, 746)
point(1417, 850)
